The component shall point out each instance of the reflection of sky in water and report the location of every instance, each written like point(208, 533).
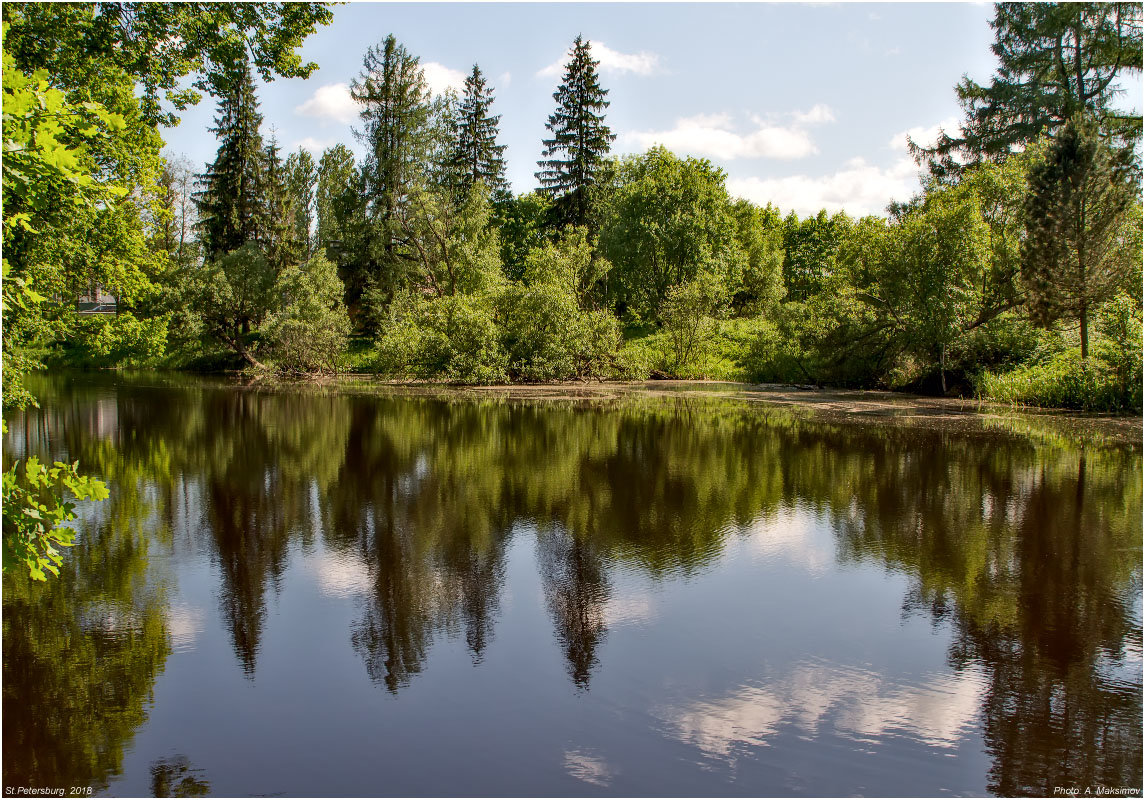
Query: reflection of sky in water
point(339, 574)
point(792, 536)
point(586, 767)
point(855, 702)
point(184, 624)
point(681, 631)
point(629, 608)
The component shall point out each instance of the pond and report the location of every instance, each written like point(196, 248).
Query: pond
point(360, 590)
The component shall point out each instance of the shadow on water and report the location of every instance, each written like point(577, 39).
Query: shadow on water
point(1024, 541)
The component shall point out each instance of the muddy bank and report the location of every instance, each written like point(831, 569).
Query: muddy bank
point(848, 406)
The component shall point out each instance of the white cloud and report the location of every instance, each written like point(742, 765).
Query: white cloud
point(714, 135)
point(818, 114)
point(923, 135)
point(642, 63)
point(793, 536)
point(315, 146)
point(440, 77)
point(504, 79)
point(859, 188)
point(328, 102)
point(184, 623)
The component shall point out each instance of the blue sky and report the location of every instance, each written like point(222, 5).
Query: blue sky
point(802, 105)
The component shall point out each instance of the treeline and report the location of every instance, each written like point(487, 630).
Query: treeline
point(1015, 274)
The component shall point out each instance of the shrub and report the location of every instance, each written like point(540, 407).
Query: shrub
point(1064, 382)
point(547, 332)
point(690, 312)
point(111, 340)
point(311, 330)
point(1119, 348)
point(454, 338)
point(1109, 381)
point(548, 337)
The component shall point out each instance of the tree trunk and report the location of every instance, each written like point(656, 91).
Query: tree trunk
point(240, 348)
point(942, 368)
point(1084, 325)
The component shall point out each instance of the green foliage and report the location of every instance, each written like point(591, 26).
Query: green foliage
point(760, 238)
point(834, 338)
point(301, 180)
point(1119, 347)
point(17, 293)
point(117, 339)
point(159, 45)
point(475, 157)
point(234, 294)
point(311, 331)
point(668, 219)
point(810, 248)
point(549, 332)
point(1055, 60)
point(232, 203)
point(396, 113)
point(35, 510)
point(580, 140)
point(455, 248)
point(67, 223)
point(523, 225)
point(47, 149)
point(1068, 381)
point(548, 337)
point(452, 337)
point(690, 312)
point(337, 202)
point(1054, 375)
point(1073, 258)
point(930, 285)
point(173, 215)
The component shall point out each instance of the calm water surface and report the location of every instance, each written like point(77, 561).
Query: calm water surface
point(319, 592)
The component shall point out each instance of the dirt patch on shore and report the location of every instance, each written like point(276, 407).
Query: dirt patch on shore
point(858, 406)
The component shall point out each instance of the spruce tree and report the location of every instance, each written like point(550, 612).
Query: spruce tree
point(476, 156)
point(1079, 196)
point(302, 179)
point(395, 115)
point(338, 202)
point(230, 200)
point(278, 230)
point(580, 139)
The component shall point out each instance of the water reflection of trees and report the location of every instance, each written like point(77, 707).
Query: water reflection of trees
point(1027, 546)
point(1033, 553)
point(81, 654)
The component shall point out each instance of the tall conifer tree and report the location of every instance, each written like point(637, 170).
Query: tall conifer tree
point(580, 139)
point(338, 202)
point(302, 179)
point(230, 200)
point(395, 114)
point(1054, 60)
point(1073, 257)
point(278, 234)
point(477, 156)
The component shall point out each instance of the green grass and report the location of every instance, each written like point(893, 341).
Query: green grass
point(1064, 382)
